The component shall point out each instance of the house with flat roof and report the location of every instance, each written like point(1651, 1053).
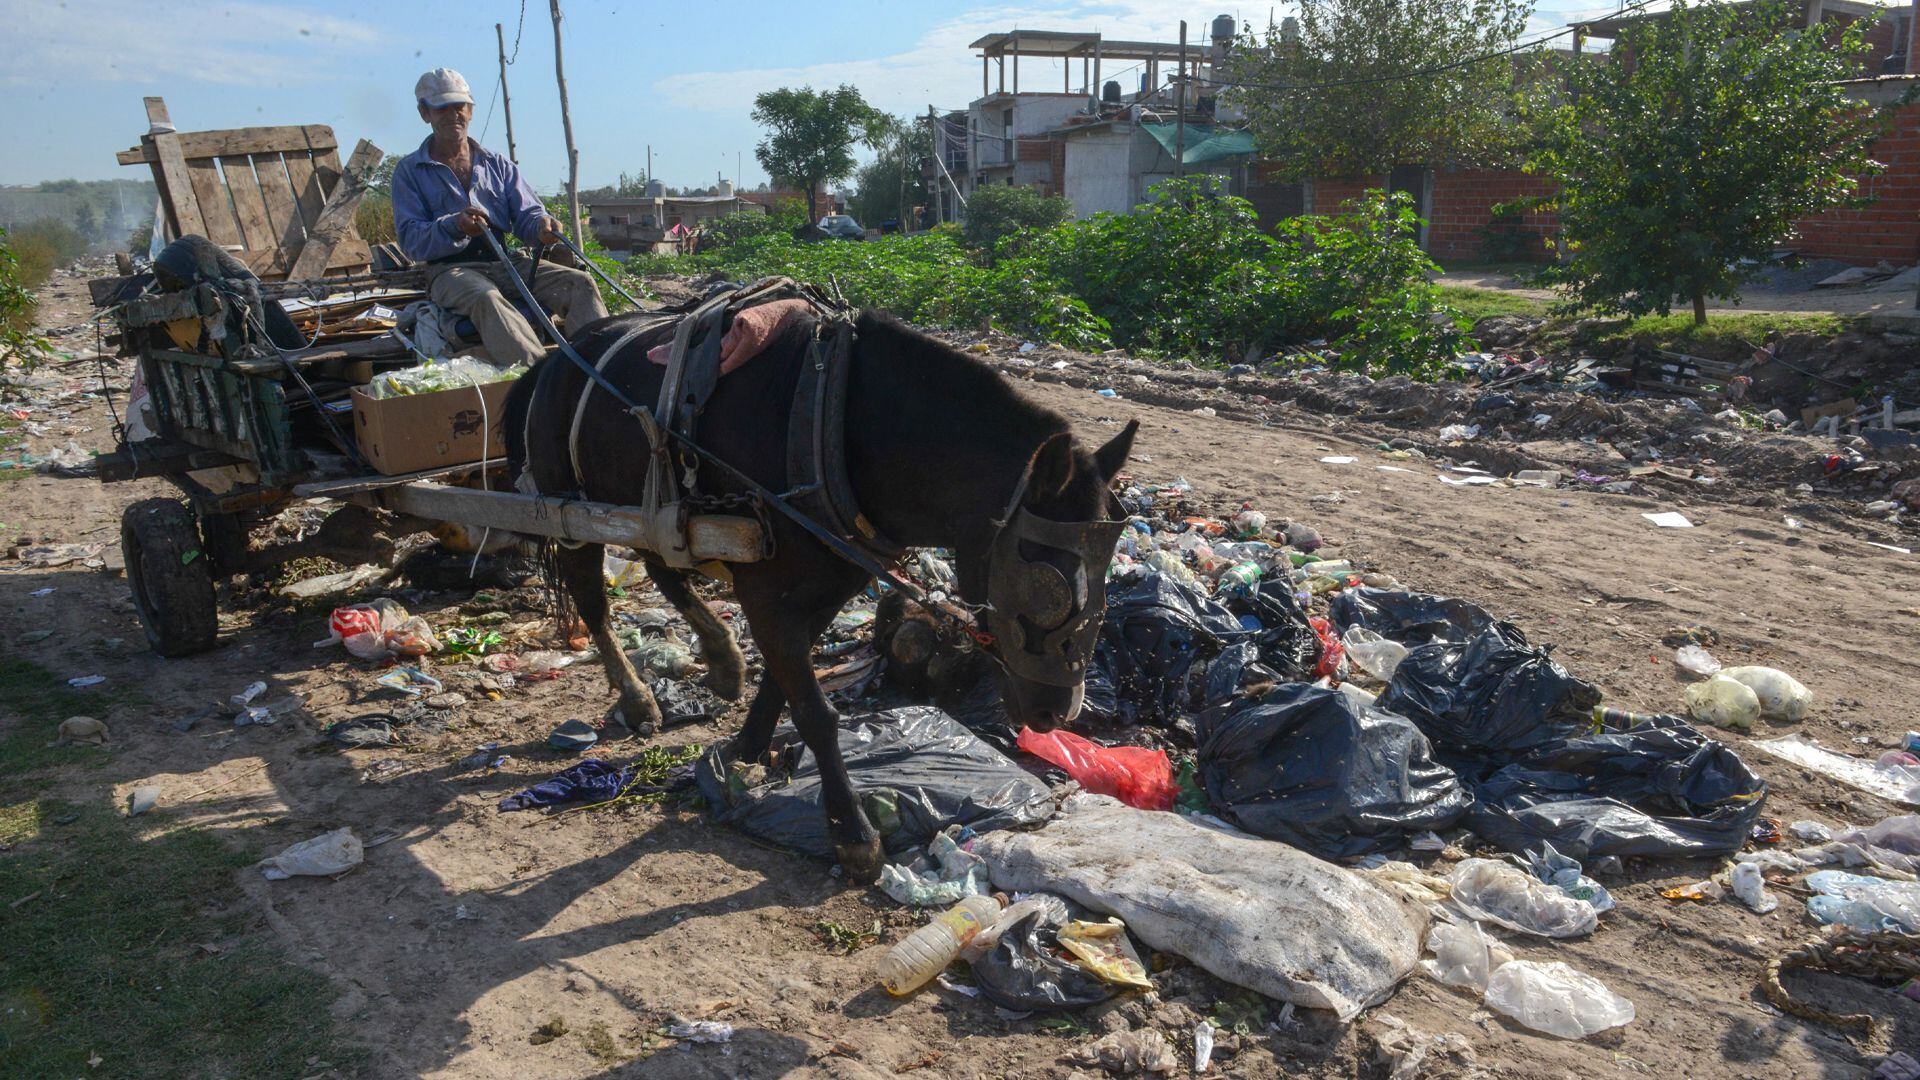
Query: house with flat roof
point(658, 223)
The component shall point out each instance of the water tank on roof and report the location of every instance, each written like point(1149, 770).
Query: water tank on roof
point(1290, 29)
point(1110, 93)
point(726, 189)
point(656, 189)
point(1223, 28)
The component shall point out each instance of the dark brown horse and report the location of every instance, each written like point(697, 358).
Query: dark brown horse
point(937, 447)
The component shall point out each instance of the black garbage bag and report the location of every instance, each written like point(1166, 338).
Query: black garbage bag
point(1409, 618)
point(1489, 699)
point(984, 712)
point(1024, 971)
point(1660, 789)
point(1157, 642)
point(1318, 770)
point(1288, 646)
point(916, 769)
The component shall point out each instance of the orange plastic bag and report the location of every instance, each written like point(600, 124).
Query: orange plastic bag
point(1135, 775)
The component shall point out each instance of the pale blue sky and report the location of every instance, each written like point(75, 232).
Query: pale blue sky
point(680, 76)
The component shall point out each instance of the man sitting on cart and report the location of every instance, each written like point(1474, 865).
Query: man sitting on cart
point(450, 189)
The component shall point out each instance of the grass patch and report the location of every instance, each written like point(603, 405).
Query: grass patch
point(134, 950)
point(1726, 335)
point(1477, 303)
point(40, 699)
point(840, 939)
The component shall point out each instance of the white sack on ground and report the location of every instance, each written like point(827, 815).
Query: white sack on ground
point(1256, 913)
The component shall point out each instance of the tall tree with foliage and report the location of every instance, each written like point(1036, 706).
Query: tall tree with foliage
point(1356, 87)
point(889, 186)
point(1687, 157)
point(810, 136)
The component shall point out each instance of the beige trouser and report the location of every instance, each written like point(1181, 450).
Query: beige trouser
point(480, 290)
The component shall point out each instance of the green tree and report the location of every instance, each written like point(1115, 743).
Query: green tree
point(85, 221)
point(1404, 97)
point(890, 186)
point(18, 342)
point(1001, 210)
point(810, 136)
point(1684, 160)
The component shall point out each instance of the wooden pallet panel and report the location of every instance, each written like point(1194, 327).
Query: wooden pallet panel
point(309, 197)
point(283, 207)
point(249, 205)
point(253, 140)
point(210, 195)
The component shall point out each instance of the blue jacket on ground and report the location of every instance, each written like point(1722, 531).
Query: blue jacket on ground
point(427, 196)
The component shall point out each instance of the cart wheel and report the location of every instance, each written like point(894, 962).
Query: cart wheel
point(171, 576)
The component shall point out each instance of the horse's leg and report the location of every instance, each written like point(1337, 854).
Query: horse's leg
point(756, 734)
point(786, 620)
point(726, 668)
point(582, 574)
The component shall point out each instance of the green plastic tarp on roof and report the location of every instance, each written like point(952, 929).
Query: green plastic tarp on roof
point(1204, 143)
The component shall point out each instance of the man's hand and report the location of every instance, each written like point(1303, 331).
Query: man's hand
point(549, 231)
point(472, 221)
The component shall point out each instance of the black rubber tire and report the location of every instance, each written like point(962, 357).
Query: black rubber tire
point(171, 577)
point(225, 536)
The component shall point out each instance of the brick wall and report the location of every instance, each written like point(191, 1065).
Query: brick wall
point(1887, 228)
point(1332, 196)
point(1461, 225)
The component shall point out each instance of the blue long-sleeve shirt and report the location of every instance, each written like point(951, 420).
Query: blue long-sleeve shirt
point(427, 197)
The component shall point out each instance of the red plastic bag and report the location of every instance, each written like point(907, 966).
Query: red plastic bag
point(1331, 651)
point(348, 621)
point(1135, 775)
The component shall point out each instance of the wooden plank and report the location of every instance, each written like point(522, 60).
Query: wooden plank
point(176, 185)
point(210, 195)
point(283, 212)
point(253, 140)
point(326, 166)
point(306, 189)
point(248, 204)
point(534, 515)
point(335, 225)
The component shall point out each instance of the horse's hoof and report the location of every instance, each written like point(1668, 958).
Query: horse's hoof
point(862, 862)
point(728, 681)
point(617, 728)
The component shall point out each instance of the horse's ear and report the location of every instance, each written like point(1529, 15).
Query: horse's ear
point(1052, 467)
point(1112, 457)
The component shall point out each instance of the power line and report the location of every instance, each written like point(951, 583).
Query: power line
point(517, 30)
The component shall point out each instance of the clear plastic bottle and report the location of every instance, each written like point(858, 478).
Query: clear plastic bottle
point(927, 952)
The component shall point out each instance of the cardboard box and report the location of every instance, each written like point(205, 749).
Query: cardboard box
point(416, 432)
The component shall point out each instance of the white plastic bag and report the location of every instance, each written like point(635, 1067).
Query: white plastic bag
point(1556, 999)
point(1509, 896)
point(1723, 702)
point(1258, 914)
point(1751, 887)
point(1463, 955)
point(1781, 696)
point(1696, 659)
point(323, 856)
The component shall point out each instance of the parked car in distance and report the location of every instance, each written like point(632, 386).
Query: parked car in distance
point(842, 227)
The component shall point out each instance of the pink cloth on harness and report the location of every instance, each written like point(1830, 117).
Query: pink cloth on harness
point(749, 334)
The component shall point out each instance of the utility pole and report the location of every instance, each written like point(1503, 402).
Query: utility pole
point(566, 125)
point(506, 103)
point(1180, 110)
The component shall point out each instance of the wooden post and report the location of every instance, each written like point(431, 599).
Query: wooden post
point(566, 126)
point(506, 103)
point(1099, 88)
point(1180, 111)
point(1016, 62)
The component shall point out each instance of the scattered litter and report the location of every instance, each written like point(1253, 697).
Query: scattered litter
point(1889, 783)
point(702, 1031)
point(83, 731)
point(81, 681)
point(372, 730)
point(1750, 888)
point(1409, 1053)
point(921, 770)
point(142, 799)
point(1202, 1046)
point(1181, 888)
point(1556, 999)
point(1723, 701)
point(1695, 659)
point(1810, 830)
point(1780, 695)
point(1018, 962)
point(1465, 481)
point(573, 736)
point(927, 951)
point(410, 681)
point(1103, 949)
point(1338, 459)
point(1463, 954)
point(323, 856)
point(945, 875)
point(1669, 519)
point(1868, 904)
point(244, 698)
point(1132, 774)
point(1124, 1052)
point(1508, 896)
point(1890, 547)
point(48, 591)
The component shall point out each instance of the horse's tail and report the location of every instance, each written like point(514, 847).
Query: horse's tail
point(547, 550)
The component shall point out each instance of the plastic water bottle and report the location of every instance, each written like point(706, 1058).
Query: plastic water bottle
point(1240, 580)
point(915, 961)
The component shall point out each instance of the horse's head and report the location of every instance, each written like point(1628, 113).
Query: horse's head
point(1046, 572)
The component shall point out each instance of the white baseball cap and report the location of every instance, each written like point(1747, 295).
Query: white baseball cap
point(442, 86)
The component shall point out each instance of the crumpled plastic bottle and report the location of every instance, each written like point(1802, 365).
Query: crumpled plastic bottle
point(1556, 999)
point(1723, 702)
point(1463, 955)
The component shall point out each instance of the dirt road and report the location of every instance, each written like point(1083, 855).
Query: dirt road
point(468, 929)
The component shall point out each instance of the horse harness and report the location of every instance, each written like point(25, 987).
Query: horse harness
point(1047, 617)
point(816, 445)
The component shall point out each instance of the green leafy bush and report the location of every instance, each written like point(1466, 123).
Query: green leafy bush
point(1189, 275)
point(995, 213)
point(18, 342)
point(43, 246)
